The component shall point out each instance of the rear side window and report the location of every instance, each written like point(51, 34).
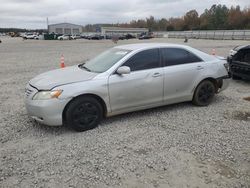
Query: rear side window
point(177, 56)
point(146, 59)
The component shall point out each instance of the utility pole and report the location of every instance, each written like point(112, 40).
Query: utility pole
point(47, 24)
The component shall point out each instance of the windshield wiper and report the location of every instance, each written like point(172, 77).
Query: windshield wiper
point(83, 67)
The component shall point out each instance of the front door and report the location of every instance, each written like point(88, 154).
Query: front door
point(142, 87)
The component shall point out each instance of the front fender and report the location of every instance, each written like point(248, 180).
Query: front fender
point(97, 87)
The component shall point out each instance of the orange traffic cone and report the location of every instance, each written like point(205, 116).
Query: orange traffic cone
point(62, 65)
point(213, 51)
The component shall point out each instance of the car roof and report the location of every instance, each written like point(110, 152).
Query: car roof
point(139, 46)
point(142, 46)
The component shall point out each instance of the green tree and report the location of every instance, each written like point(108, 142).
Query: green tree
point(177, 24)
point(163, 23)
point(246, 14)
point(214, 18)
point(217, 17)
point(236, 18)
point(191, 20)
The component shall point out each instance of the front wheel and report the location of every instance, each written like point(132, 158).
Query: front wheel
point(84, 113)
point(204, 93)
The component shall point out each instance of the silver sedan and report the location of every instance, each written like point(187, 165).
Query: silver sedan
point(124, 79)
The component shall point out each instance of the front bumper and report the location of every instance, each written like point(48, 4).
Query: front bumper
point(48, 112)
point(240, 69)
point(223, 83)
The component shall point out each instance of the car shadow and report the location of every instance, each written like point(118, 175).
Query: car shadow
point(147, 112)
point(60, 130)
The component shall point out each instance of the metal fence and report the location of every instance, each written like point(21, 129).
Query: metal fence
point(207, 34)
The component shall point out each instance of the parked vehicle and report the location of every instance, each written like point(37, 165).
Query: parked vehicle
point(145, 37)
point(239, 62)
point(14, 34)
point(96, 37)
point(66, 37)
point(77, 36)
point(83, 36)
point(86, 36)
point(39, 37)
point(121, 37)
point(124, 79)
point(30, 36)
point(108, 36)
point(129, 36)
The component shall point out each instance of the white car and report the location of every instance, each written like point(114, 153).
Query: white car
point(124, 79)
point(30, 36)
point(66, 37)
point(77, 36)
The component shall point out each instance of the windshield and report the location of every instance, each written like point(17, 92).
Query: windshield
point(105, 60)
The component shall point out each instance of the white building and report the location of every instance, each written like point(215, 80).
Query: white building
point(122, 30)
point(65, 28)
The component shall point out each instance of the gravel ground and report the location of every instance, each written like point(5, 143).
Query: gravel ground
point(174, 146)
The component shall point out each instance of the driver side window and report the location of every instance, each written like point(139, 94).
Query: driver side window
point(146, 59)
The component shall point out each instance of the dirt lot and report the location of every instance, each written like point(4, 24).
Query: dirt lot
point(174, 146)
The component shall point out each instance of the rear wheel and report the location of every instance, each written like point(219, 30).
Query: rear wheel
point(204, 93)
point(84, 113)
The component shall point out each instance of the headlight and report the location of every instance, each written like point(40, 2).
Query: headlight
point(43, 95)
point(232, 52)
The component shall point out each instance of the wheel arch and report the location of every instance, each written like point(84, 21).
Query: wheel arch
point(98, 98)
point(211, 79)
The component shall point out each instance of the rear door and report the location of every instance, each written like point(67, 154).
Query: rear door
point(142, 87)
point(181, 70)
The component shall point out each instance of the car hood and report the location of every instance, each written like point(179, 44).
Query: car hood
point(244, 47)
point(51, 79)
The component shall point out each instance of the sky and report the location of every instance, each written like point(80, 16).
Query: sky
point(32, 14)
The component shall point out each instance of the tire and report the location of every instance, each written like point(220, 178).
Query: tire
point(83, 113)
point(204, 93)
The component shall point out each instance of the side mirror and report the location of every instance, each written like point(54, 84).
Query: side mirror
point(123, 70)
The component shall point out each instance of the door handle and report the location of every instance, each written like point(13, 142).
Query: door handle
point(199, 68)
point(157, 74)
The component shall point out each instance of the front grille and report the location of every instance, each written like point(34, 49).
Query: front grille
point(240, 68)
point(29, 90)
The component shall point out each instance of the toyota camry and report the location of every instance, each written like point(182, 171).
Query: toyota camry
point(123, 79)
